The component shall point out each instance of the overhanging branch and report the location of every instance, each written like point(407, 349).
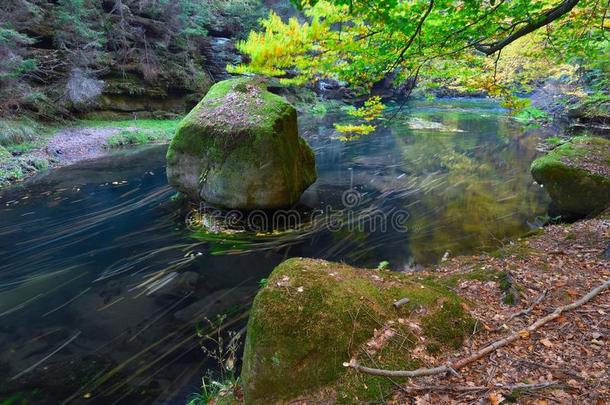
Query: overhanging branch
point(548, 17)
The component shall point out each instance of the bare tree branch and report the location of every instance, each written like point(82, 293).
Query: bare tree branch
point(462, 388)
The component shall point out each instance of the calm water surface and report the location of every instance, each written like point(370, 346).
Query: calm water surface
point(103, 287)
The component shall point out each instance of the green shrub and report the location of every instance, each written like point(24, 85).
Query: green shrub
point(4, 153)
point(16, 132)
point(532, 114)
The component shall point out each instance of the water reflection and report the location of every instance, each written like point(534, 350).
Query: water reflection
point(102, 287)
point(474, 187)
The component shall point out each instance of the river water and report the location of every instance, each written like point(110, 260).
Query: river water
point(103, 288)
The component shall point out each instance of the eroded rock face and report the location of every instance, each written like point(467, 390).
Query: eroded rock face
point(593, 113)
point(577, 175)
point(239, 148)
point(313, 315)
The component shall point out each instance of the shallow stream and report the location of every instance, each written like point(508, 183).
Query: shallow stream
point(104, 289)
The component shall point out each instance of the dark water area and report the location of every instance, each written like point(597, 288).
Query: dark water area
point(103, 287)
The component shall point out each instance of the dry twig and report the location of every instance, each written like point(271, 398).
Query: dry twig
point(451, 367)
point(466, 388)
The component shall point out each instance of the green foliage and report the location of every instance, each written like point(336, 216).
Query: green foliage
point(14, 65)
point(138, 137)
point(16, 132)
point(440, 41)
point(244, 14)
point(213, 391)
point(194, 15)
point(218, 388)
point(319, 109)
point(383, 265)
point(158, 132)
point(4, 153)
point(554, 140)
point(77, 30)
point(17, 137)
point(532, 114)
point(154, 40)
point(144, 124)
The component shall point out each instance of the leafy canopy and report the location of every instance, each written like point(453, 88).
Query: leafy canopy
point(443, 41)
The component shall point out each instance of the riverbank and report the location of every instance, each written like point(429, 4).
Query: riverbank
point(31, 148)
point(564, 361)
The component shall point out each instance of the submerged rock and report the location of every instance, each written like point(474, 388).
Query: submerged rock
point(313, 315)
point(577, 175)
point(240, 148)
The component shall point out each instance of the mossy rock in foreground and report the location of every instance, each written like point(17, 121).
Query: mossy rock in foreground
point(240, 148)
point(314, 315)
point(577, 175)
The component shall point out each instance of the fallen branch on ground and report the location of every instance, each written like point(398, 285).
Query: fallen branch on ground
point(466, 388)
point(456, 365)
point(531, 307)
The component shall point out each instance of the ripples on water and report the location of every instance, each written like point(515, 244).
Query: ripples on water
point(102, 286)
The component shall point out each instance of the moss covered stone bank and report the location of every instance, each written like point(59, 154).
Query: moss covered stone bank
point(240, 148)
point(314, 315)
point(576, 175)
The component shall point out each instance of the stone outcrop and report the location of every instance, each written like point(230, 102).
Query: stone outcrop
point(576, 175)
point(240, 148)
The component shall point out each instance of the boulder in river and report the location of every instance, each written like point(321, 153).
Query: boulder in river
point(314, 315)
point(240, 148)
point(576, 175)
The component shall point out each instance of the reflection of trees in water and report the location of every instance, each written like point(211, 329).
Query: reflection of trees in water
point(475, 188)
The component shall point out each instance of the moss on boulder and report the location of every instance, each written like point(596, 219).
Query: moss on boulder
point(314, 315)
point(577, 175)
point(240, 148)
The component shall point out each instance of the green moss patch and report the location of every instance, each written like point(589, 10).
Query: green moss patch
point(313, 315)
point(231, 111)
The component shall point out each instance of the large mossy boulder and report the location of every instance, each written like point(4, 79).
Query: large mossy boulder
point(240, 148)
point(313, 315)
point(576, 175)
